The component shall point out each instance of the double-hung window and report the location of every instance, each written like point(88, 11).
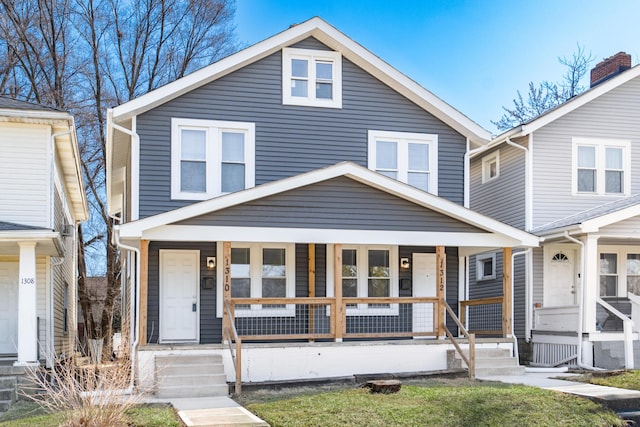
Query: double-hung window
point(209, 158)
point(619, 271)
point(369, 272)
point(408, 157)
point(601, 166)
point(311, 77)
point(260, 270)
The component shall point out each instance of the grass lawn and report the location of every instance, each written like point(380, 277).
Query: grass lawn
point(459, 404)
point(621, 379)
point(29, 414)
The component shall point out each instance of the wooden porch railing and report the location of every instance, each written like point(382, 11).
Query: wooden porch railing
point(230, 335)
point(482, 319)
point(471, 339)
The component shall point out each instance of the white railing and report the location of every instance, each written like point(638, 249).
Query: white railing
point(627, 327)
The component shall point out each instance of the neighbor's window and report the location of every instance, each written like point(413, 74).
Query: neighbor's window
point(486, 266)
point(209, 158)
point(408, 157)
point(490, 166)
point(601, 166)
point(312, 78)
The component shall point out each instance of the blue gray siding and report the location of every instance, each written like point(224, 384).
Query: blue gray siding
point(340, 203)
point(292, 139)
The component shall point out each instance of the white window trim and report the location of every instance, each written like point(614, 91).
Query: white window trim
point(600, 145)
point(312, 56)
point(403, 139)
point(363, 279)
point(256, 279)
point(486, 166)
point(213, 155)
point(621, 252)
point(479, 263)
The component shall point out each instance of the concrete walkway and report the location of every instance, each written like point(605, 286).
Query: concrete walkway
point(211, 412)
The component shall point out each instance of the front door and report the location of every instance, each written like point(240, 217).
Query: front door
point(8, 307)
point(560, 277)
point(179, 302)
point(424, 285)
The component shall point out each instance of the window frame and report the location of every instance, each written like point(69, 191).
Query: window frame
point(362, 253)
point(403, 139)
point(622, 253)
point(600, 146)
point(480, 259)
point(255, 272)
point(213, 155)
point(486, 166)
point(312, 56)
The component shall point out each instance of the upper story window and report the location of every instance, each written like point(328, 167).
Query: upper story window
point(312, 78)
point(601, 166)
point(209, 158)
point(486, 266)
point(490, 166)
point(408, 157)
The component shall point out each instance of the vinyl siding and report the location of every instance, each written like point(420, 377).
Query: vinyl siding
point(611, 116)
point(292, 139)
point(502, 198)
point(626, 228)
point(340, 203)
point(24, 174)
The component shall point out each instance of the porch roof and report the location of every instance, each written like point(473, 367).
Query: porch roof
point(47, 241)
point(478, 230)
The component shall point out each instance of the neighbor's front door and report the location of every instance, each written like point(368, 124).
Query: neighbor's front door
point(424, 285)
point(8, 307)
point(179, 301)
point(560, 278)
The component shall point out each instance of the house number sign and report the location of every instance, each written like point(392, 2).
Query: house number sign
point(28, 281)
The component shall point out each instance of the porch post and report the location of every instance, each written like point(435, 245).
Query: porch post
point(591, 283)
point(144, 289)
point(441, 281)
point(226, 283)
point(312, 285)
point(507, 293)
point(337, 291)
point(27, 297)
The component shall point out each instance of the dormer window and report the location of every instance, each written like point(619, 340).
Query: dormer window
point(312, 78)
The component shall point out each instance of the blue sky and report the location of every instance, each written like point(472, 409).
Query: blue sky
point(474, 55)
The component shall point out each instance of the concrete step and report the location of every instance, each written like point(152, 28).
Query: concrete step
point(192, 380)
point(4, 405)
point(8, 382)
point(191, 368)
point(187, 359)
point(202, 390)
point(507, 371)
point(493, 352)
point(8, 394)
point(496, 362)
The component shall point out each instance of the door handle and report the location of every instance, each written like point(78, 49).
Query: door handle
point(193, 307)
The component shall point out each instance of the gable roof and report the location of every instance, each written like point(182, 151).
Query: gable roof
point(135, 229)
point(591, 219)
point(14, 104)
point(330, 36)
point(565, 108)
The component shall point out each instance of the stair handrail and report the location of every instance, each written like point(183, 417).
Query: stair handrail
point(471, 339)
point(231, 334)
point(627, 327)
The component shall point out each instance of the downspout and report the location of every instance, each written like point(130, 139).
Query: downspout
point(467, 172)
point(580, 302)
point(513, 279)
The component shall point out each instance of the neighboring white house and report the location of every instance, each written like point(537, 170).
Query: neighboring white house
point(41, 201)
point(572, 177)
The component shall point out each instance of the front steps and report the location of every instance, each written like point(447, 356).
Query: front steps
point(183, 375)
point(489, 362)
point(8, 386)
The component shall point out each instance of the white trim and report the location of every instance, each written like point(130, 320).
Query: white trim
point(480, 263)
point(256, 278)
point(312, 56)
point(213, 154)
point(600, 145)
point(334, 39)
point(135, 174)
point(486, 166)
point(403, 139)
point(375, 180)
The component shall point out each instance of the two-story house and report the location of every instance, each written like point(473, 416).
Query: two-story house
point(41, 201)
point(571, 176)
point(308, 196)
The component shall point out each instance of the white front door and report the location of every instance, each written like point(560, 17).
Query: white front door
point(179, 302)
point(424, 285)
point(560, 277)
point(8, 307)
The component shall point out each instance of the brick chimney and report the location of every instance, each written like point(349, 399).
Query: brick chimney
point(610, 67)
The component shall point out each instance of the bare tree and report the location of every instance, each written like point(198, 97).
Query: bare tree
point(85, 55)
point(546, 95)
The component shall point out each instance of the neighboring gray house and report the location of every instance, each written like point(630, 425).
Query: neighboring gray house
point(312, 190)
point(571, 176)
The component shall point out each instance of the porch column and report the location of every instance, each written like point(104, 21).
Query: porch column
point(144, 289)
point(311, 262)
point(507, 293)
point(337, 291)
point(590, 283)
point(226, 284)
point(441, 280)
point(27, 317)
